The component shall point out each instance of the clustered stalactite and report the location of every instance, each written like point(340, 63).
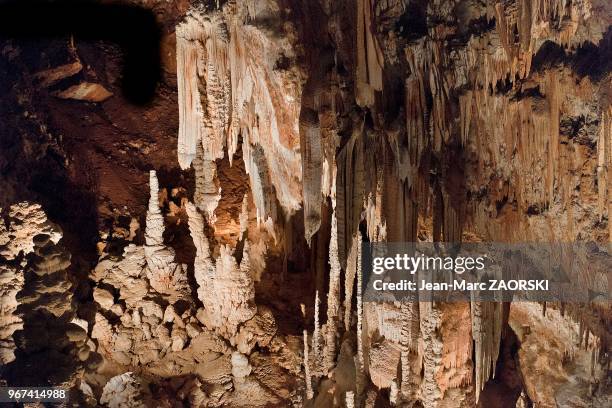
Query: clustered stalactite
point(497, 126)
point(223, 97)
point(375, 121)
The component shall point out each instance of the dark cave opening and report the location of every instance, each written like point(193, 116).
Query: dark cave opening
point(503, 390)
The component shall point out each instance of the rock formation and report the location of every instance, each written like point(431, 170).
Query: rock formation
point(285, 136)
point(48, 334)
point(24, 221)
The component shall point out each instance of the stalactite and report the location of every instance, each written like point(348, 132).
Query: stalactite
point(487, 322)
point(244, 216)
point(190, 106)
point(370, 60)
point(350, 195)
point(312, 155)
point(227, 91)
point(207, 191)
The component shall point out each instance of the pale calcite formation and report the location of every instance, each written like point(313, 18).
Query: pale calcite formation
point(11, 282)
point(165, 275)
point(125, 390)
point(487, 323)
point(228, 89)
point(23, 222)
point(225, 287)
point(380, 120)
point(503, 134)
point(45, 304)
point(86, 91)
point(559, 358)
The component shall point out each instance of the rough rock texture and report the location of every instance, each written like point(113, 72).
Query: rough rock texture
point(558, 363)
point(224, 287)
point(283, 135)
point(86, 91)
point(125, 390)
point(234, 82)
point(48, 333)
point(22, 223)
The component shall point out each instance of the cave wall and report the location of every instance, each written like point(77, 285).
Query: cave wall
point(283, 135)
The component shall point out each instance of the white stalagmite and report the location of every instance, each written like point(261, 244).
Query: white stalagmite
point(307, 375)
point(225, 288)
point(409, 346)
point(349, 281)
point(350, 399)
point(164, 274)
point(393, 393)
point(155, 220)
point(333, 298)
point(360, 358)
point(316, 335)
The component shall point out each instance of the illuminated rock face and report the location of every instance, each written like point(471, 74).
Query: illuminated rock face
point(231, 86)
point(311, 128)
point(429, 121)
point(24, 221)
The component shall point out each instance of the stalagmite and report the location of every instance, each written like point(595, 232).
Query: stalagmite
point(350, 399)
point(316, 335)
point(23, 221)
point(349, 281)
point(46, 308)
point(333, 299)
point(164, 274)
point(360, 357)
point(11, 282)
point(410, 332)
point(225, 288)
point(307, 375)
